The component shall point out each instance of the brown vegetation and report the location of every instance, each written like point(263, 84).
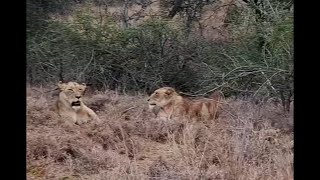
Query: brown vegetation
point(252, 142)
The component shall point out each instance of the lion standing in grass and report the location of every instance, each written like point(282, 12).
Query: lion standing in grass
point(166, 102)
point(70, 105)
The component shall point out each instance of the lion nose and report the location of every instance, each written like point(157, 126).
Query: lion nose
point(78, 97)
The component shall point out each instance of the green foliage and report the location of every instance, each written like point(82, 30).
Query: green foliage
point(263, 53)
point(258, 62)
point(38, 12)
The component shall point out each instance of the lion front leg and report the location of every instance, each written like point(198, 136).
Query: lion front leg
point(69, 118)
point(93, 115)
point(81, 121)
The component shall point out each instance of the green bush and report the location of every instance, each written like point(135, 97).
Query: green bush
point(258, 62)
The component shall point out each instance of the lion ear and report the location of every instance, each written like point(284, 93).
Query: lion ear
point(170, 91)
point(60, 84)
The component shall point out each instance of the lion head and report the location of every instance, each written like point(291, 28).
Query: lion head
point(162, 97)
point(72, 93)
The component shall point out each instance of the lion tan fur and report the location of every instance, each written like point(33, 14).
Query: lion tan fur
point(70, 104)
point(166, 102)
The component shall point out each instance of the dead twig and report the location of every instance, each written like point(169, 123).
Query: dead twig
point(123, 112)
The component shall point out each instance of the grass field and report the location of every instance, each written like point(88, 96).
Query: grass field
point(247, 142)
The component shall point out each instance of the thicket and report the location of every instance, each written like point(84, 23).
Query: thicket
point(257, 62)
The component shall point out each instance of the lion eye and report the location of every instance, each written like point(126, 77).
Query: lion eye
point(70, 89)
point(156, 93)
point(80, 89)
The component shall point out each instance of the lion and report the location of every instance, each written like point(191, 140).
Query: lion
point(70, 104)
point(166, 102)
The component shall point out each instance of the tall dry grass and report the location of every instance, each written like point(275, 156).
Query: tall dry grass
point(246, 142)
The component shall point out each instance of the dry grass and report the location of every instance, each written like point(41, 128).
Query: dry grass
point(250, 143)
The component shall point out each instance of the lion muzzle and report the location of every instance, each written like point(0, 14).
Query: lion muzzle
point(76, 103)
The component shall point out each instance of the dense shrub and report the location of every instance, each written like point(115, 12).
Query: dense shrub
point(257, 62)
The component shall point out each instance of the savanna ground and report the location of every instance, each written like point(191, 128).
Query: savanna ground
point(247, 141)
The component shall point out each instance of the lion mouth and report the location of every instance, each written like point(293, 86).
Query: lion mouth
point(76, 103)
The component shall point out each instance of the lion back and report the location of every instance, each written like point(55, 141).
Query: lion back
point(215, 107)
point(217, 95)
